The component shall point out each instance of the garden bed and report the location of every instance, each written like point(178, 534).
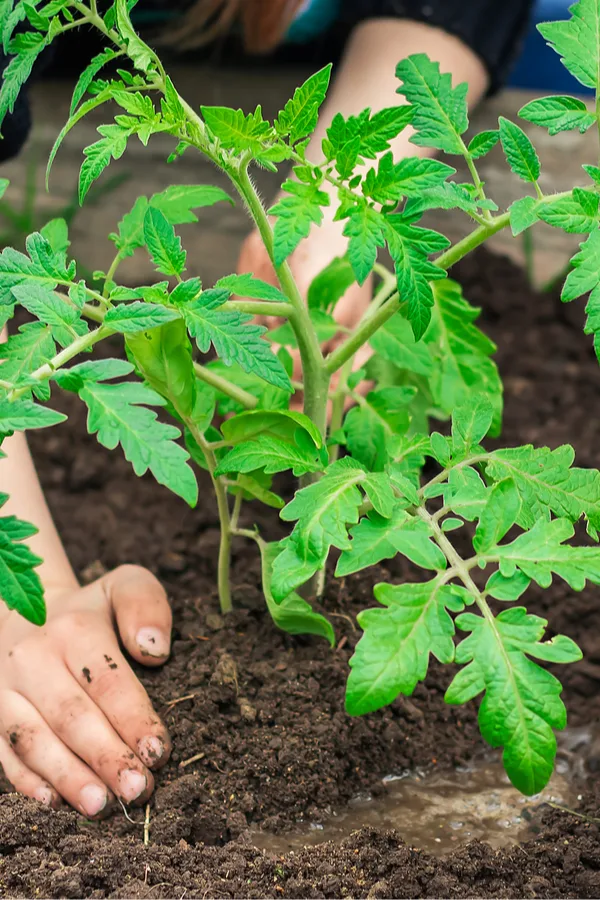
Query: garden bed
point(264, 741)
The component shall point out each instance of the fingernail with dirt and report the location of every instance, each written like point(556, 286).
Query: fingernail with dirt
point(132, 785)
point(93, 799)
point(151, 750)
point(153, 642)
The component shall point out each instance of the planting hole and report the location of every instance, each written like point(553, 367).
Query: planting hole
point(440, 811)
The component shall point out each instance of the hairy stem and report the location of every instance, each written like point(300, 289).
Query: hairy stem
point(316, 380)
point(244, 398)
point(224, 563)
point(256, 308)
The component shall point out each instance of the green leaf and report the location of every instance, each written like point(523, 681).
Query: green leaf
point(482, 143)
point(26, 49)
point(523, 214)
point(175, 203)
point(465, 493)
point(558, 114)
point(407, 178)
point(409, 247)
point(251, 287)
point(234, 340)
point(117, 417)
point(56, 232)
point(460, 354)
point(395, 342)
point(237, 131)
point(164, 358)
point(292, 614)
point(163, 244)
point(585, 274)
point(23, 414)
point(323, 511)
point(522, 704)
point(52, 309)
point(382, 127)
point(73, 378)
point(498, 515)
point(330, 285)
point(365, 230)
point(541, 551)
point(575, 214)
point(393, 654)
point(440, 116)
point(253, 490)
point(88, 75)
point(376, 538)
point(20, 585)
point(138, 316)
point(276, 423)
point(470, 423)
point(178, 200)
point(271, 454)
point(296, 214)
point(367, 427)
point(139, 53)
point(519, 151)
point(502, 588)
point(112, 145)
point(577, 41)
point(26, 351)
point(299, 117)
point(546, 480)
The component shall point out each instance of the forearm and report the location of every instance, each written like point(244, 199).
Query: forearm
point(19, 480)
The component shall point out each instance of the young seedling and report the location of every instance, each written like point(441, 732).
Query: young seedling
point(362, 491)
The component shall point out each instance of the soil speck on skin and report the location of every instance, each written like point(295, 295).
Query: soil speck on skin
point(111, 664)
point(301, 757)
point(86, 674)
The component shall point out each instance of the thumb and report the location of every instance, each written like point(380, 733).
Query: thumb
point(143, 614)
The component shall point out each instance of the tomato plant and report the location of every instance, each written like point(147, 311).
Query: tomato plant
point(361, 491)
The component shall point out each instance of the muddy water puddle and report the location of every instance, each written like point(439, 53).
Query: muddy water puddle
point(440, 811)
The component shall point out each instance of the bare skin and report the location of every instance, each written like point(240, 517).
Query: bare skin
point(75, 723)
point(365, 79)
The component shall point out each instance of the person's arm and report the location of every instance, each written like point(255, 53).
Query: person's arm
point(19, 480)
point(71, 709)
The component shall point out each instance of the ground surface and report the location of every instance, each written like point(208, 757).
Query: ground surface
point(273, 744)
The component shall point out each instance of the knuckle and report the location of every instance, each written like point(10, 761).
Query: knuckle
point(69, 711)
point(73, 623)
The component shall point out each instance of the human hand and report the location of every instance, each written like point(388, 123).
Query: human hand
point(311, 257)
point(75, 723)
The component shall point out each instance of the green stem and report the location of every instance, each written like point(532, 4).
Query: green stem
point(368, 327)
point(244, 398)
point(338, 404)
point(86, 342)
point(461, 567)
point(111, 274)
point(224, 563)
point(256, 308)
point(316, 380)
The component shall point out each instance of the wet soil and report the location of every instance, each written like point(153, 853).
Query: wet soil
point(261, 739)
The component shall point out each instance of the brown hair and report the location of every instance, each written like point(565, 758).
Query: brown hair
point(263, 22)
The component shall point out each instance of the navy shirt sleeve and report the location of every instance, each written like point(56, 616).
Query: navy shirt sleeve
point(493, 29)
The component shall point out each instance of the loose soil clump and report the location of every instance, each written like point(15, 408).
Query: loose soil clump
point(260, 735)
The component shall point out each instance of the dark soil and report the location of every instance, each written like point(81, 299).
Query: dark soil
point(266, 722)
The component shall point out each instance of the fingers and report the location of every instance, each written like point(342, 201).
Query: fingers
point(16, 776)
point(142, 612)
point(103, 673)
point(82, 727)
point(41, 752)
